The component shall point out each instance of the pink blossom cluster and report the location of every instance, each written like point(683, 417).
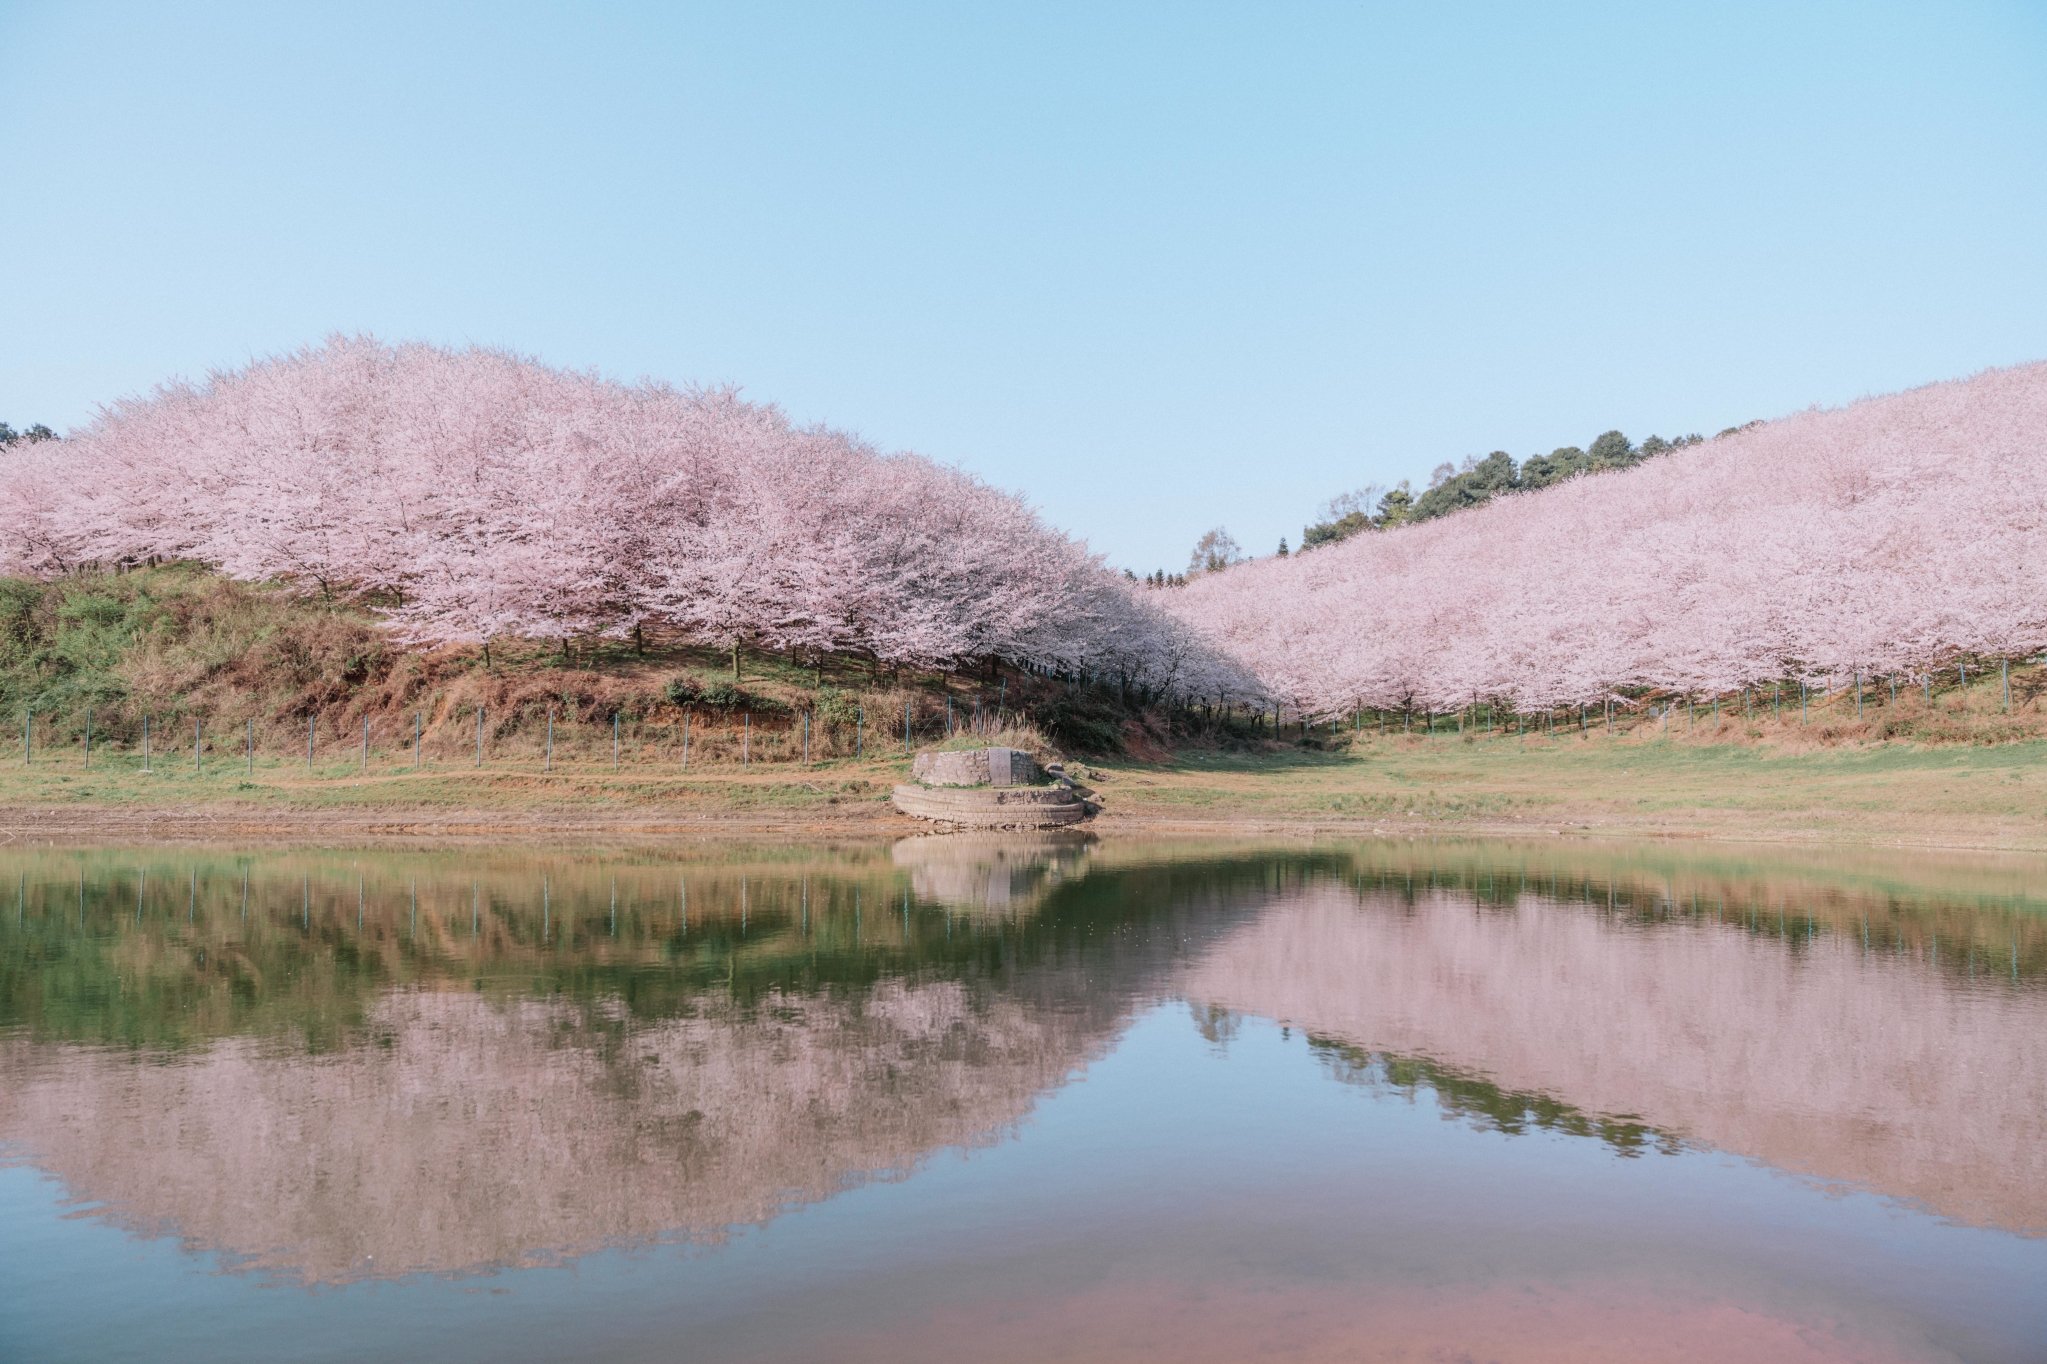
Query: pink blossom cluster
point(1887, 537)
point(475, 495)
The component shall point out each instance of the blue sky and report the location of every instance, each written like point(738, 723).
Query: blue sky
point(1157, 266)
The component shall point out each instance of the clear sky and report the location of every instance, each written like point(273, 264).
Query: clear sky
point(1157, 266)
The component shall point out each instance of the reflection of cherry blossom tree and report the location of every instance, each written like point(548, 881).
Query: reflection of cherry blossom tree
point(475, 1135)
point(1884, 537)
point(1869, 1069)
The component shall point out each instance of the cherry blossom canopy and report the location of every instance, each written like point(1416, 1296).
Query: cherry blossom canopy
point(478, 495)
point(1885, 537)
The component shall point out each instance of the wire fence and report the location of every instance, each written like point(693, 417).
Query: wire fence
point(477, 740)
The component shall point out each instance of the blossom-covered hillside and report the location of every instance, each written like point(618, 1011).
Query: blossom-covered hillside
point(473, 495)
point(1888, 537)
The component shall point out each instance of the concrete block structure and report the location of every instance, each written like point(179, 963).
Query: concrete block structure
point(987, 788)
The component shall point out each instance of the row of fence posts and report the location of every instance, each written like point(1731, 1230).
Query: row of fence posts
point(547, 750)
point(860, 718)
point(1545, 720)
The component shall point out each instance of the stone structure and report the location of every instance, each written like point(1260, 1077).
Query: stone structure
point(988, 788)
point(977, 767)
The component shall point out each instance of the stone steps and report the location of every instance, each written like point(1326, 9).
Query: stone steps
point(993, 807)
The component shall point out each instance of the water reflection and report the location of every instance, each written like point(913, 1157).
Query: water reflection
point(338, 1069)
point(991, 872)
point(340, 1066)
point(1838, 1048)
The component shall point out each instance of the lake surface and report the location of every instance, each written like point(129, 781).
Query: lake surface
point(1009, 1100)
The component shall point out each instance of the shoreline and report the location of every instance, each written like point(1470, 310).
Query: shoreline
point(1983, 798)
point(259, 824)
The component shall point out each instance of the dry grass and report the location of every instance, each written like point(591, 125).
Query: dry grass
point(1959, 797)
point(177, 646)
point(1956, 796)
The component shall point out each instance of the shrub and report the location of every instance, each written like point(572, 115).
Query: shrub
point(725, 696)
point(682, 691)
point(836, 706)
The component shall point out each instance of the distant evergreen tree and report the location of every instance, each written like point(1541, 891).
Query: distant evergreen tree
point(1612, 450)
point(1329, 532)
point(1453, 489)
point(9, 436)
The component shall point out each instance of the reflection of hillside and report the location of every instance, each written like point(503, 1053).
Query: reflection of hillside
point(369, 1094)
point(449, 1062)
point(467, 1134)
point(1866, 1068)
point(1969, 916)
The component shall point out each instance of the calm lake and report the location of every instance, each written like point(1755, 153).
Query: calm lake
point(1021, 1100)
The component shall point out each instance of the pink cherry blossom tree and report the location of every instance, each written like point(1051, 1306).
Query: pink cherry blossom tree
point(474, 495)
point(1886, 537)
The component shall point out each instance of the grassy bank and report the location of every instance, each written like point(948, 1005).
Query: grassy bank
point(1956, 796)
point(187, 655)
point(117, 797)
